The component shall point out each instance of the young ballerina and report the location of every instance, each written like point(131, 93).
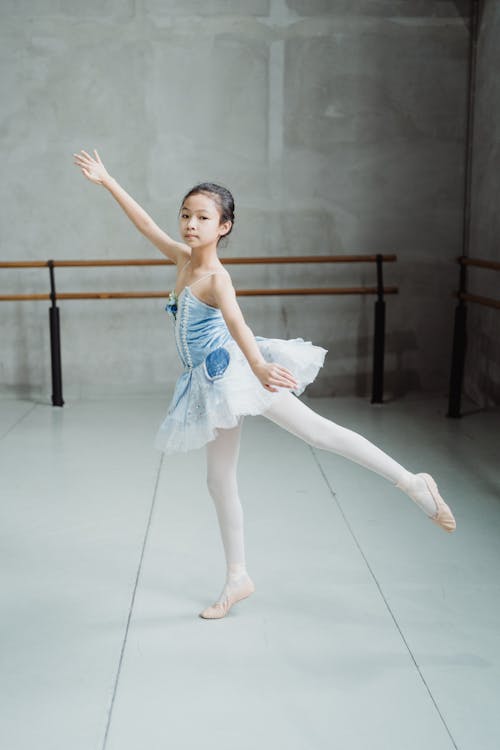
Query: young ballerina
point(229, 373)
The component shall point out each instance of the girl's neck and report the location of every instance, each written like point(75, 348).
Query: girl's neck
point(204, 258)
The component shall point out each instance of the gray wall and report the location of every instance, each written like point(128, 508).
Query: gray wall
point(339, 126)
point(482, 374)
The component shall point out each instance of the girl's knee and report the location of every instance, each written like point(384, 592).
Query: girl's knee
point(213, 483)
point(325, 434)
point(220, 483)
point(317, 433)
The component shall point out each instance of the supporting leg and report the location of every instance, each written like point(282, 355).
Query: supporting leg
point(222, 462)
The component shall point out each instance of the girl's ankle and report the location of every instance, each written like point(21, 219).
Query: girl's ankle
point(236, 571)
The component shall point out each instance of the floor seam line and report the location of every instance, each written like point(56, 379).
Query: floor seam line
point(26, 413)
point(131, 607)
point(393, 617)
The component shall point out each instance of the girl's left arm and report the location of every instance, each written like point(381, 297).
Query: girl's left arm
point(270, 374)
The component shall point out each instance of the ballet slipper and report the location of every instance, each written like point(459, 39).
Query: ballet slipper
point(444, 516)
point(221, 608)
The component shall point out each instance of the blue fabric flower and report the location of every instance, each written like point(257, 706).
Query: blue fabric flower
point(171, 306)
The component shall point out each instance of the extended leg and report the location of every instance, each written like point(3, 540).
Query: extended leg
point(222, 462)
point(293, 415)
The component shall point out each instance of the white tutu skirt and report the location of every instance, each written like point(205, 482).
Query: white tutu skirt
point(201, 406)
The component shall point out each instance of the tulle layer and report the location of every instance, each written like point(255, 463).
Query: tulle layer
point(200, 406)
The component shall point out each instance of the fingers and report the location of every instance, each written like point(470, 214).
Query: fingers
point(282, 377)
point(86, 158)
point(88, 165)
point(80, 161)
point(286, 376)
point(285, 373)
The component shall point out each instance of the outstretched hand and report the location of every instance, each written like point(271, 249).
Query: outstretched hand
point(273, 376)
point(93, 169)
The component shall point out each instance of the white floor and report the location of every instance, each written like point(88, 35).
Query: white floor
point(371, 628)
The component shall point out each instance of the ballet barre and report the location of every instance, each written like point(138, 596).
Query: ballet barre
point(379, 290)
point(460, 329)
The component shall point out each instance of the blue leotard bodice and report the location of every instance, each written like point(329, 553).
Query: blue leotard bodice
point(199, 329)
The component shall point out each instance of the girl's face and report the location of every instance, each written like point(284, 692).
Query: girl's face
point(199, 221)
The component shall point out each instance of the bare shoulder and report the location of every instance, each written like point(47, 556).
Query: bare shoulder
point(222, 279)
point(222, 282)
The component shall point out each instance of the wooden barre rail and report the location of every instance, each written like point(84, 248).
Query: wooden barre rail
point(261, 259)
point(379, 290)
point(460, 328)
point(492, 265)
point(484, 301)
point(239, 293)
point(478, 299)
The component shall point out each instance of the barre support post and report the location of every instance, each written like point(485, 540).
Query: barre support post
point(379, 338)
point(459, 348)
point(55, 342)
point(458, 361)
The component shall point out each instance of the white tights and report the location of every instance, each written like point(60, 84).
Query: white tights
point(289, 412)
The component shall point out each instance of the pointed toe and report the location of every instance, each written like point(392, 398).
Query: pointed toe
point(215, 611)
point(444, 517)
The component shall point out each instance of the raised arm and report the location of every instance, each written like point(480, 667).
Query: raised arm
point(95, 171)
point(270, 374)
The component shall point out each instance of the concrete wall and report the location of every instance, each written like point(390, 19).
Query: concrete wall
point(339, 126)
point(482, 374)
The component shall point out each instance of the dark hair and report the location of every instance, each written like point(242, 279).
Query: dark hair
point(222, 197)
